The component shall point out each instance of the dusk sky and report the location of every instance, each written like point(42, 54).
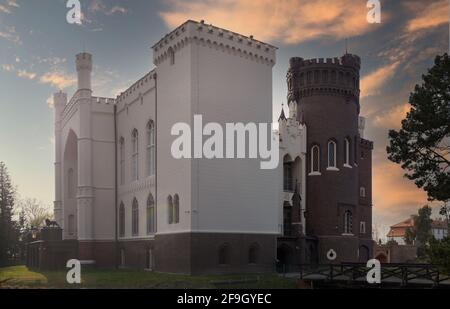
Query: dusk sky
point(38, 47)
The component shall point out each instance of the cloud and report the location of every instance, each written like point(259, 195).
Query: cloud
point(427, 15)
point(394, 197)
point(8, 6)
point(101, 7)
point(26, 74)
point(10, 34)
point(50, 102)
point(8, 68)
point(392, 118)
point(58, 79)
point(286, 21)
point(372, 84)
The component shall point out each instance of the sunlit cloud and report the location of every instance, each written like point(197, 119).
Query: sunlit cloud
point(10, 34)
point(286, 21)
point(58, 79)
point(392, 118)
point(428, 15)
point(26, 74)
point(372, 84)
point(100, 7)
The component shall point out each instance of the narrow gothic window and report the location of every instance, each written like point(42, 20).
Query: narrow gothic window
point(151, 218)
point(176, 209)
point(71, 224)
point(315, 159)
point(362, 227)
point(170, 209)
point(348, 228)
point(122, 160)
point(121, 220)
point(171, 56)
point(135, 155)
point(288, 182)
point(150, 148)
point(362, 192)
point(135, 218)
point(331, 154)
point(347, 151)
point(122, 257)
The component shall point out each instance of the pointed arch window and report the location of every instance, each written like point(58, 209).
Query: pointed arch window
point(151, 215)
point(170, 209)
point(348, 222)
point(135, 155)
point(347, 152)
point(176, 209)
point(315, 159)
point(135, 218)
point(121, 220)
point(332, 154)
point(122, 160)
point(150, 148)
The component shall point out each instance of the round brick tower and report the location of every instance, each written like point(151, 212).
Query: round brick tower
point(327, 94)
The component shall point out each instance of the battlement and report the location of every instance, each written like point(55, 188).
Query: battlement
point(144, 81)
point(320, 76)
point(84, 61)
point(213, 37)
point(366, 144)
point(348, 60)
point(102, 100)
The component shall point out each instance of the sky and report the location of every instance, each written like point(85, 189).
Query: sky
point(38, 47)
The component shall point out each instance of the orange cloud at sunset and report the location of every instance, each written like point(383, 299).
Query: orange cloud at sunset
point(393, 117)
point(286, 21)
point(428, 15)
point(371, 84)
point(393, 195)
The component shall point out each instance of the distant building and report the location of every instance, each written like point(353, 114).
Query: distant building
point(398, 231)
point(439, 229)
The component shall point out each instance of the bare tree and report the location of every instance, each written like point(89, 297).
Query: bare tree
point(35, 212)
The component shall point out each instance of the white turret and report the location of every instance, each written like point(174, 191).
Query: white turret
point(84, 70)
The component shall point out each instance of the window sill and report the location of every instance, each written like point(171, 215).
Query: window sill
point(333, 169)
point(347, 234)
point(315, 174)
point(347, 166)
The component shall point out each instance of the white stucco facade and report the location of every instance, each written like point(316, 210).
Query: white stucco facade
point(199, 70)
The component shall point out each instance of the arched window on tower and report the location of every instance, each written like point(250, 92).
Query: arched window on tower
point(315, 159)
point(135, 218)
point(121, 220)
point(150, 148)
point(122, 160)
point(170, 209)
point(135, 155)
point(347, 152)
point(332, 154)
point(151, 215)
point(171, 56)
point(176, 209)
point(288, 181)
point(348, 224)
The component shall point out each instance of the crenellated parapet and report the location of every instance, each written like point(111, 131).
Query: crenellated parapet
point(330, 76)
point(192, 32)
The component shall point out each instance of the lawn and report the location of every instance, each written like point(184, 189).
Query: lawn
point(22, 277)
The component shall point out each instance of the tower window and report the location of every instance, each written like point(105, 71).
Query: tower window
point(332, 154)
point(362, 227)
point(348, 224)
point(122, 160)
point(135, 218)
point(347, 151)
point(176, 209)
point(170, 209)
point(121, 220)
point(288, 182)
point(150, 148)
point(171, 56)
point(315, 159)
point(151, 217)
point(362, 192)
point(135, 155)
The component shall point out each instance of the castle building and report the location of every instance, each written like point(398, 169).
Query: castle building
point(125, 201)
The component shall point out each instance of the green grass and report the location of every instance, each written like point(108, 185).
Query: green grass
point(22, 277)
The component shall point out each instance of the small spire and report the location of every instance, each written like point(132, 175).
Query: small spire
point(346, 46)
point(282, 116)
